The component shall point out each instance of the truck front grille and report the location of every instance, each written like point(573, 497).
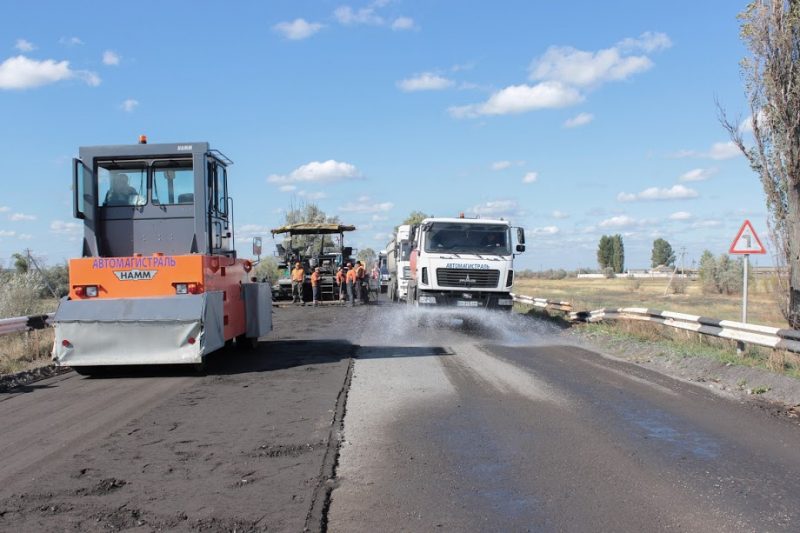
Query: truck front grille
point(467, 278)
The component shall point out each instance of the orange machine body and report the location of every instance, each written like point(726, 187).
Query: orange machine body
point(160, 275)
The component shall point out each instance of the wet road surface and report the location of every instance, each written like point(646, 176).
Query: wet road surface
point(487, 424)
point(502, 429)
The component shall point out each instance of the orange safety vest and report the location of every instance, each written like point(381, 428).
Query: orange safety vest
point(360, 271)
point(339, 277)
point(351, 276)
point(298, 274)
point(315, 278)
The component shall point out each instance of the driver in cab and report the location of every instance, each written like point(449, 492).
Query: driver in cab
point(120, 193)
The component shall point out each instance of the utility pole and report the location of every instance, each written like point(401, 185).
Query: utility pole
point(32, 261)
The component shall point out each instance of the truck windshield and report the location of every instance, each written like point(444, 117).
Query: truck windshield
point(452, 237)
point(121, 183)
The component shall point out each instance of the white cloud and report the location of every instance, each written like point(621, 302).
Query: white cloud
point(7, 233)
point(676, 192)
point(581, 119)
point(24, 236)
point(403, 23)
point(59, 227)
point(587, 69)
point(129, 105)
point(298, 29)
point(619, 221)
point(287, 188)
point(320, 172)
point(530, 177)
point(648, 41)
point(315, 195)
point(22, 73)
point(379, 218)
point(718, 151)
point(496, 208)
point(707, 224)
point(364, 204)
point(698, 174)
point(501, 165)
point(547, 230)
point(680, 215)
point(724, 150)
point(521, 99)
point(747, 124)
point(4, 209)
point(111, 58)
point(70, 41)
point(559, 215)
point(24, 46)
point(19, 217)
point(426, 81)
point(348, 16)
point(248, 231)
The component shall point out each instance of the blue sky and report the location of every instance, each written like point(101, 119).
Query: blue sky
point(573, 120)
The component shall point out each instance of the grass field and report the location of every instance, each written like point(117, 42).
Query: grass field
point(589, 294)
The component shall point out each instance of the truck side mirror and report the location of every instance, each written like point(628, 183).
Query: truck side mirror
point(520, 247)
point(257, 246)
point(521, 238)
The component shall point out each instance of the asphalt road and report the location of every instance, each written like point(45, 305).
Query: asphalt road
point(487, 424)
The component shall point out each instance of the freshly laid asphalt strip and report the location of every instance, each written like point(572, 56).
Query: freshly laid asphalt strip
point(454, 430)
point(246, 447)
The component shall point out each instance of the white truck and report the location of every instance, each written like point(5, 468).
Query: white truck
point(398, 253)
point(463, 262)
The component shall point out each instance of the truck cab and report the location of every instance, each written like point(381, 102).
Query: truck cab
point(463, 262)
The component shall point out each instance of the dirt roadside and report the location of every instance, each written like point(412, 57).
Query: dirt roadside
point(248, 447)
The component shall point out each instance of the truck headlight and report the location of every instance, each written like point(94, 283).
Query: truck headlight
point(427, 299)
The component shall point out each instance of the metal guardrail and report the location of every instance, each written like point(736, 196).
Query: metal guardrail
point(768, 336)
point(24, 323)
point(542, 302)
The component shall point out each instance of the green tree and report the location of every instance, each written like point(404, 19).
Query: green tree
point(617, 254)
point(20, 263)
point(770, 30)
point(708, 272)
point(662, 253)
point(367, 255)
point(267, 269)
point(307, 213)
point(604, 252)
point(415, 217)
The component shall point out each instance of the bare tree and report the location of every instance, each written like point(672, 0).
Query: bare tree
point(771, 31)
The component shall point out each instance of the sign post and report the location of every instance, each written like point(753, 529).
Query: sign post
point(746, 243)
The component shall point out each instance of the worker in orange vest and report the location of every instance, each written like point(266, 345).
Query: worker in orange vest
point(351, 281)
point(361, 274)
point(298, 276)
point(340, 282)
point(315, 276)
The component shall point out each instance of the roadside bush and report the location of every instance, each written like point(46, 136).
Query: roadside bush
point(21, 294)
point(634, 285)
point(608, 272)
point(722, 275)
point(679, 285)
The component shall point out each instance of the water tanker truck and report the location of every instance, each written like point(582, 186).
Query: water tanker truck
point(463, 263)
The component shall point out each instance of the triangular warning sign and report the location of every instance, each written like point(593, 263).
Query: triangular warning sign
point(746, 241)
